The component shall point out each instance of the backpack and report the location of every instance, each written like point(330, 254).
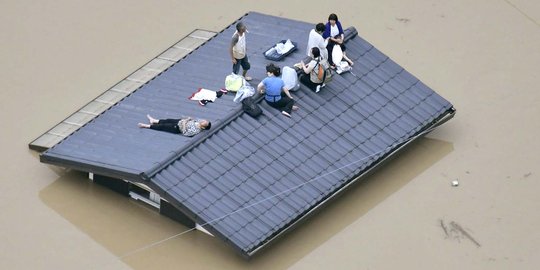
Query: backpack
point(290, 78)
point(324, 73)
point(250, 107)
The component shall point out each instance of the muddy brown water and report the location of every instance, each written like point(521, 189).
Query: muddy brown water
point(482, 56)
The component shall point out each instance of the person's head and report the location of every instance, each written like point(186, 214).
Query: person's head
point(316, 52)
point(205, 124)
point(241, 27)
point(332, 19)
point(273, 69)
point(320, 27)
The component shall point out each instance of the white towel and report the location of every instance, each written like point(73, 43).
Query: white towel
point(283, 48)
point(204, 94)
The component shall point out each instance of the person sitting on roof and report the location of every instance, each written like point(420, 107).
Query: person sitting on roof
point(186, 126)
point(312, 81)
point(335, 35)
point(276, 94)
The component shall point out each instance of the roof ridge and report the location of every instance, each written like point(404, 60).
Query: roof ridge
point(187, 148)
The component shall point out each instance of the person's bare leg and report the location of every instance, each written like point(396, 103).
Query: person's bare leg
point(244, 72)
point(151, 119)
point(348, 59)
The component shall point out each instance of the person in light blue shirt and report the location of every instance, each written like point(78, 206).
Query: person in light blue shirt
point(275, 92)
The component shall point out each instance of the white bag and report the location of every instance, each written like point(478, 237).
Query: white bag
point(290, 78)
point(244, 92)
point(337, 54)
point(233, 82)
point(343, 66)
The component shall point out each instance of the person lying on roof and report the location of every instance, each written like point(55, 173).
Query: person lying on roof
point(186, 126)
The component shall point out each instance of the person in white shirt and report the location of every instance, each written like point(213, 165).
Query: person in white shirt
point(317, 41)
point(238, 51)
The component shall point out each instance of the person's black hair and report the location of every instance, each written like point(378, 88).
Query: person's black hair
point(273, 69)
point(208, 126)
point(239, 26)
point(333, 17)
point(320, 27)
point(316, 52)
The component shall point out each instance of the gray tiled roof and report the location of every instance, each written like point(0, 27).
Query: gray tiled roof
point(248, 180)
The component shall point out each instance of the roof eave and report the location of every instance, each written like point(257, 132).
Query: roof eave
point(96, 168)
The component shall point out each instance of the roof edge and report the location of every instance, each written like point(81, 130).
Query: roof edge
point(207, 225)
point(93, 167)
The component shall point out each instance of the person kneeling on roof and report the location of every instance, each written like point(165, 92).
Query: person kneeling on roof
point(276, 94)
point(313, 81)
point(186, 126)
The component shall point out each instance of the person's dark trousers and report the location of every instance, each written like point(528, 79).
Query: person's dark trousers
point(244, 62)
point(330, 47)
point(284, 104)
point(168, 125)
point(304, 78)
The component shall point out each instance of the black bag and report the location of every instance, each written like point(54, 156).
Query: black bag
point(250, 107)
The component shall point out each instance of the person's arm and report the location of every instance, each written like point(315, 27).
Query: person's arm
point(260, 88)
point(338, 39)
point(341, 33)
point(307, 68)
point(233, 43)
point(287, 92)
point(323, 43)
point(326, 33)
point(184, 123)
point(192, 128)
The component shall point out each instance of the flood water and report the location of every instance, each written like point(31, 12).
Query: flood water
point(482, 56)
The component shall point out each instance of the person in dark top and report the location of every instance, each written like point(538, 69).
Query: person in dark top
point(275, 92)
point(335, 35)
point(186, 126)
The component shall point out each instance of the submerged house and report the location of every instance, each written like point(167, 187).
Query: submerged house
point(250, 180)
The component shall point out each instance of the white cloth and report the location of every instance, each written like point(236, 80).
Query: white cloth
point(239, 49)
point(290, 78)
point(343, 66)
point(334, 30)
point(316, 40)
point(244, 92)
point(337, 54)
point(283, 48)
point(271, 51)
point(204, 94)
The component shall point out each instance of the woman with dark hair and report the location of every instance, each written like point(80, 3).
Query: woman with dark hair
point(275, 92)
point(335, 35)
point(313, 81)
point(186, 126)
